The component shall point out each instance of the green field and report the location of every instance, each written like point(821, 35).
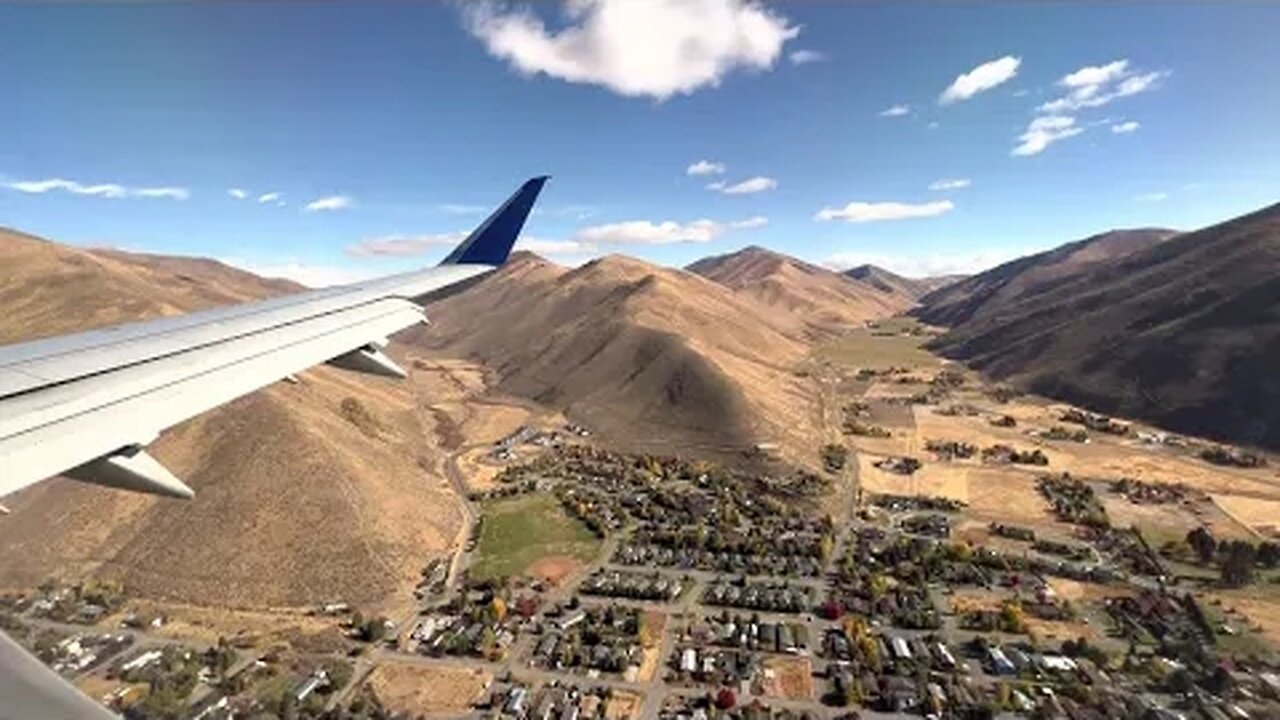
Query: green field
point(872, 348)
point(520, 531)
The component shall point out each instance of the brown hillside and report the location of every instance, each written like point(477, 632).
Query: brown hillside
point(650, 356)
point(1185, 333)
point(990, 291)
point(827, 301)
point(294, 503)
point(894, 284)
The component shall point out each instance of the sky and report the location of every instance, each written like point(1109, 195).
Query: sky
point(331, 142)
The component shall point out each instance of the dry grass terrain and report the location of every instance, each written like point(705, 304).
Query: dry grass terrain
point(304, 493)
point(788, 677)
point(420, 690)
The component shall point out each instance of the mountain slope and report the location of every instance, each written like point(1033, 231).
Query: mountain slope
point(651, 357)
point(825, 300)
point(998, 288)
point(894, 284)
point(295, 504)
point(1184, 332)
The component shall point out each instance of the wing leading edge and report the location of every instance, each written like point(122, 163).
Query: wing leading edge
point(86, 405)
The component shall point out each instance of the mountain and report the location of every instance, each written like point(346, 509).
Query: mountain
point(1183, 331)
point(304, 493)
point(1005, 285)
point(651, 357)
point(827, 301)
point(894, 284)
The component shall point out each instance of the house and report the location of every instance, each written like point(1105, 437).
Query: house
point(900, 649)
point(515, 701)
point(317, 680)
point(688, 660)
point(999, 662)
point(572, 619)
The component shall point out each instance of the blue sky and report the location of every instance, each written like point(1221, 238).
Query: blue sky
point(130, 126)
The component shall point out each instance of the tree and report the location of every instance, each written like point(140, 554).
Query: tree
point(1203, 543)
point(725, 699)
point(1238, 565)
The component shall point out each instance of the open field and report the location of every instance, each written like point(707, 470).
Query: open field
point(865, 347)
point(415, 689)
point(1263, 516)
point(519, 532)
point(652, 625)
point(623, 705)
point(788, 677)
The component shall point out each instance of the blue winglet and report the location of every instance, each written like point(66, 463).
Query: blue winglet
point(490, 243)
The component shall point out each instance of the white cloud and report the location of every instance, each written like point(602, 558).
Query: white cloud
point(175, 193)
point(932, 126)
point(1098, 85)
point(953, 184)
point(861, 212)
point(237, 193)
point(102, 190)
point(1126, 127)
point(646, 232)
point(403, 245)
point(753, 185)
point(269, 197)
point(895, 111)
point(311, 275)
point(751, 222)
point(982, 78)
point(927, 265)
point(804, 57)
point(333, 202)
point(1043, 132)
point(460, 209)
point(653, 49)
point(543, 246)
point(1152, 197)
point(705, 167)
point(717, 185)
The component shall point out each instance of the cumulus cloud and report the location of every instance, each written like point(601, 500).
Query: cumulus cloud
point(980, 79)
point(544, 246)
point(751, 222)
point(102, 190)
point(747, 187)
point(238, 193)
point(333, 202)
point(1045, 131)
point(862, 212)
point(925, 265)
point(895, 111)
point(705, 167)
point(1098, 85)
point(804, 57)
point(636, 49)
point(310, 274)
point(1152, 197)
point(953, 184)
point(269, 197)
point(1125, 128)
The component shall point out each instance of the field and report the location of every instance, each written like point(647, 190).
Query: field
point(417, 690)
point(865, 347)
point(520, 532)
point(788, 677)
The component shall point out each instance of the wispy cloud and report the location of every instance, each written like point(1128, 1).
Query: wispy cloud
point(953, 184)
point(862, 212)
point(1125, 128)
point(717, 185)
point(1152, 197)
point(927, 264)
point(1045, 131)
point(647, 232)
point(1098, 85)
point(544, 246)
point(403, 245)
point(310, 274)
point(753, 185)
point(333, 202)
point(804, 57)
point(895, 111)
point(980, 79)
point(269, 197)
point(751, 222)
point(636, 49)
point(238, 193)
point(101, 190)
point(461, 209)
point(705, 167)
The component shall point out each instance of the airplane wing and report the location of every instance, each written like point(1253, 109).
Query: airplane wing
point(86, 405)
